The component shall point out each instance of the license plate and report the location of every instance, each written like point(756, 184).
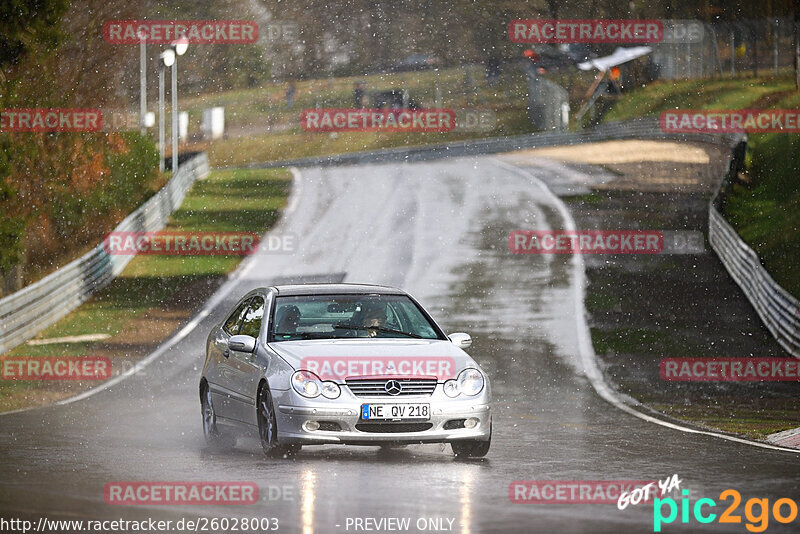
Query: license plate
point(392, 412)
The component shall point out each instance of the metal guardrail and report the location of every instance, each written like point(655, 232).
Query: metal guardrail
point(646, 127)
point(778, 309)
point(27, 312)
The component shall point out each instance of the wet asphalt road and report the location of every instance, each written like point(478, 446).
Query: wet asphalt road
point(438, 230)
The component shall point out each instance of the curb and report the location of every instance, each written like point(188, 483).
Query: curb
point(787, 438)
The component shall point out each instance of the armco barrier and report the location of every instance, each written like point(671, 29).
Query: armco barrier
point(39, 305)
point(647, 128)
point(779, 311)
point(27, 312)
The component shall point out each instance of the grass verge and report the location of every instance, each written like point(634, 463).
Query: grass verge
point(646, 308)
point(262, 127)
point(155, 294)
point(766, 212)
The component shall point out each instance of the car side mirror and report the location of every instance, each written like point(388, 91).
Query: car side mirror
point(242, 343)
point(461, 340)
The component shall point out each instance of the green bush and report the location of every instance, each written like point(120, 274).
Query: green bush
point(767, 213)
point(132, 173)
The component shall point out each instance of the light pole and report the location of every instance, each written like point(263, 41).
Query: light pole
point(179, 47)
point(142, 82)
point(167, 59)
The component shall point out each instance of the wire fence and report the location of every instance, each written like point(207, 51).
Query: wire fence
point(692, 49)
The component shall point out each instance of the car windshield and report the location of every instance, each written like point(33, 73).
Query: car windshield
point(350, 316)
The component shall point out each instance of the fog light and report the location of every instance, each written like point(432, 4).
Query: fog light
point(471, 423)
point(311, 426)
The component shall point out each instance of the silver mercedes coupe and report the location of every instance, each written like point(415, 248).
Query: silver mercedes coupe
point(320, 364)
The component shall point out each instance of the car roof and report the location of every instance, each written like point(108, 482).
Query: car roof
point(335, 289)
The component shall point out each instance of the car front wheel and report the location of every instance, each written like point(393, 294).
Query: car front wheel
point(268, 427)
point(472, 449)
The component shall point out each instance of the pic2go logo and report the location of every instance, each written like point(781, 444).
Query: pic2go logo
point(783, 510)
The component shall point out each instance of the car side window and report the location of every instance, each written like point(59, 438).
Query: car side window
point(233, 322)
point(251, 325)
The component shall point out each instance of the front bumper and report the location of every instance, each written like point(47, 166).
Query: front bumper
point(293, 411)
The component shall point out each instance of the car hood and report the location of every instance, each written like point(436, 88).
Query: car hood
point(346, 358)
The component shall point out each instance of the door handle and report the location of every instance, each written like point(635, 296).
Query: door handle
point(226, 353)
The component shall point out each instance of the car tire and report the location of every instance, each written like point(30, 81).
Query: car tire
point(472, 448)
point(211, 430)
point(268, 427)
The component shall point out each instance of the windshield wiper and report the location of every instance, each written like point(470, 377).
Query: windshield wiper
point(377, 329)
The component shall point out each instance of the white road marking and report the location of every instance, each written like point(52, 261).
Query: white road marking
point(69, 339)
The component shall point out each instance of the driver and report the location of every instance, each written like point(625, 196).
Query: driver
point(374, 317)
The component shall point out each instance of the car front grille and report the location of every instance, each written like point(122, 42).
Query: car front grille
point(376, 387)
point(393, 428)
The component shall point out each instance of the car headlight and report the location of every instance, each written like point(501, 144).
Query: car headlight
point(451, 388)
point(469, 382)
point(306, 384)
point(309, 385)
point(330, 390)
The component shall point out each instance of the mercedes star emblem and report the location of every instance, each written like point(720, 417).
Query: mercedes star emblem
point(393, 387)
